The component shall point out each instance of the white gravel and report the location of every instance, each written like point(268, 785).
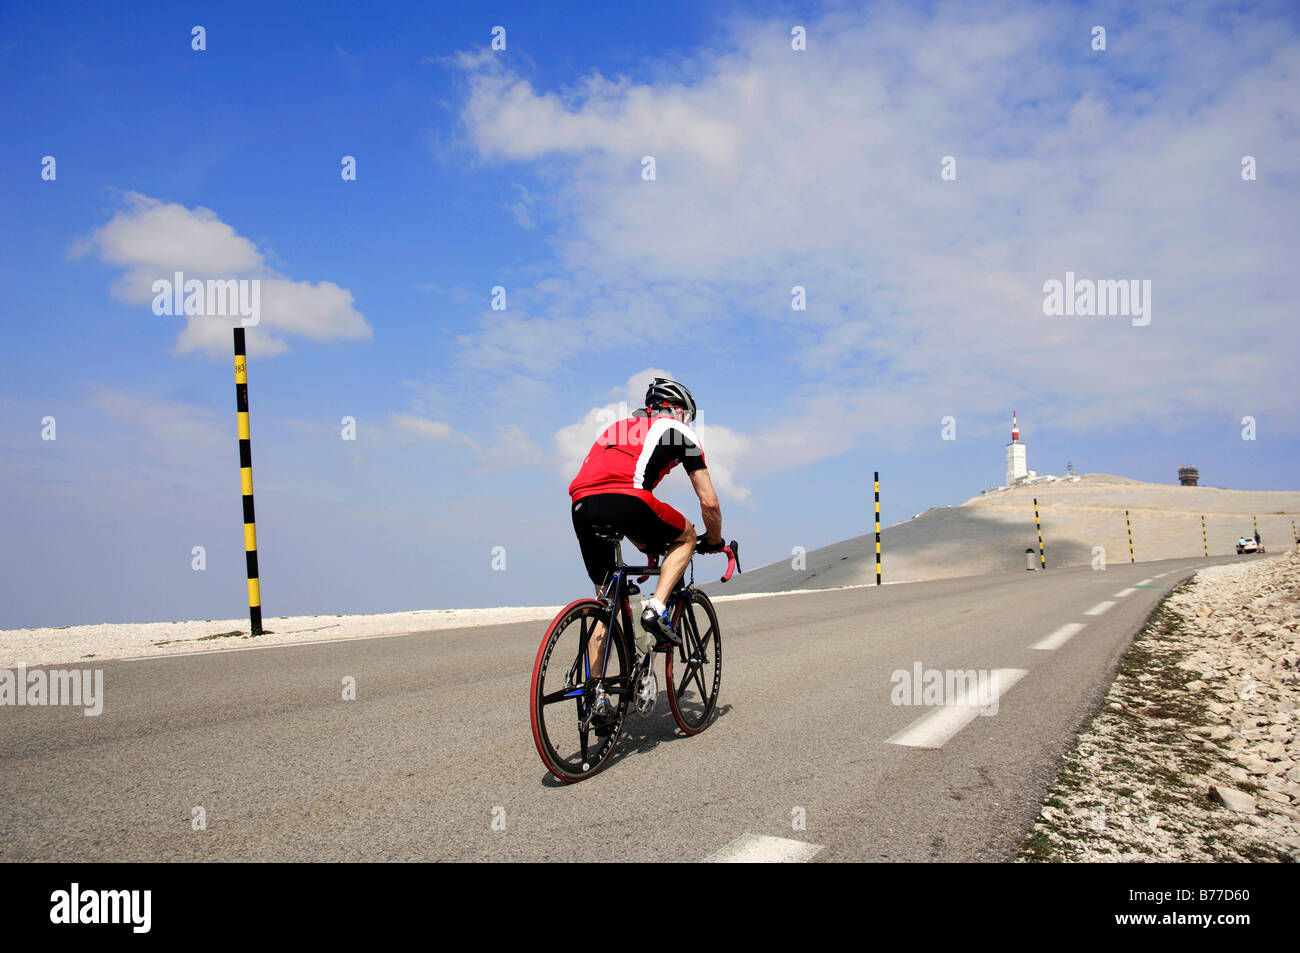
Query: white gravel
point(1196, 755)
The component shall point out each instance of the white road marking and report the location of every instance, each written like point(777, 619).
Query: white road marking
point(933, 730)
point(1099, 608)
point(1058, 638)
point(1124, 592)
point(764, 849)
point(1144, 582)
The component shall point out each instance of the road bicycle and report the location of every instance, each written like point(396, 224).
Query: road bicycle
point(578, 709)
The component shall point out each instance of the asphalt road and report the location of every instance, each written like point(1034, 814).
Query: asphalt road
point(436, 746)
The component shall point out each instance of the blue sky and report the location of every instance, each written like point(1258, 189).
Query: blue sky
point(522, 168)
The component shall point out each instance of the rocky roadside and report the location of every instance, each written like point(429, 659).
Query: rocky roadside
point(1195, 755)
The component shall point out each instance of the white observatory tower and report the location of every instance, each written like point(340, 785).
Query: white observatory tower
point(1016, 464)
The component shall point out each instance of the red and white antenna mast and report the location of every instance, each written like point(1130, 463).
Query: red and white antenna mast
point(1015, 428)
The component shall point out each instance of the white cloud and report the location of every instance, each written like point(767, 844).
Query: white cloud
point(162, 236)
point(635, 389)
point(822, 169)
point(615, 117)
point(318, 312)
point(724, 451)
point(175, 434)
point(522, 210)
point(153, 240)
point(423, 427)
point(511, 448)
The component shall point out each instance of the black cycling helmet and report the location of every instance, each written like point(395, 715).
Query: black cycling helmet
point(663, 391)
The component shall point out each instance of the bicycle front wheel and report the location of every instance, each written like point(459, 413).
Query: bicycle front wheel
point(576, 710)
point(693, 671)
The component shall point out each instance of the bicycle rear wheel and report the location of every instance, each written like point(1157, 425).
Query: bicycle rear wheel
point(572, 738)
point(693, 671)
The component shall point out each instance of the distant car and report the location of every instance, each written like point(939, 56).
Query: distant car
point(1246, 545)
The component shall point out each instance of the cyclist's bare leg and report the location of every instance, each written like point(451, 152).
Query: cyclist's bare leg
point(675, 562)
point(671, 570)
point(596, 642)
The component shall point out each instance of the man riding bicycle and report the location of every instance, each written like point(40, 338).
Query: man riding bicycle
point(614, 490)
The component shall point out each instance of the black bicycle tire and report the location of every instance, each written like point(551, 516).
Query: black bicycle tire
point(557, 764)
point(696, 725)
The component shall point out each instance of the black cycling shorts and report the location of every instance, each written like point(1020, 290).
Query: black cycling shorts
point(630, 515)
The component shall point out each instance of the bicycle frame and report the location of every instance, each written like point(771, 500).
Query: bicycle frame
point(615, 596)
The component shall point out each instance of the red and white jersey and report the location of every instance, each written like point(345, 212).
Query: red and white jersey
point(631, 456)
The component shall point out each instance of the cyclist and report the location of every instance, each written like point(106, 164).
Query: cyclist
point(615, 488)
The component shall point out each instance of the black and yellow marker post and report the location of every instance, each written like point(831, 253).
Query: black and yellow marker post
point(877, 482)
point(1131, 557)
point(246, 483)
point(1205, 540)
point(1042, 555)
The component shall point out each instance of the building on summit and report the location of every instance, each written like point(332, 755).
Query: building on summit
point(1017, 471)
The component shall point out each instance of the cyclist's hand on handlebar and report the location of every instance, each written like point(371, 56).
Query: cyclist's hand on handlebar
point(704, 546)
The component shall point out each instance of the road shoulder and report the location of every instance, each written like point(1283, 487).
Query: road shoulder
point(1194, 755)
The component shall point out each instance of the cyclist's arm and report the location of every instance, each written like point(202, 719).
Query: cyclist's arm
point(709, 507)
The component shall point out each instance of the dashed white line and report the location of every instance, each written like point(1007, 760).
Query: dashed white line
point(1144, 582)
point(1099, 608)
point(1124, 592)
point(1058, 638)
point(935, 729)
point(764, 849)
